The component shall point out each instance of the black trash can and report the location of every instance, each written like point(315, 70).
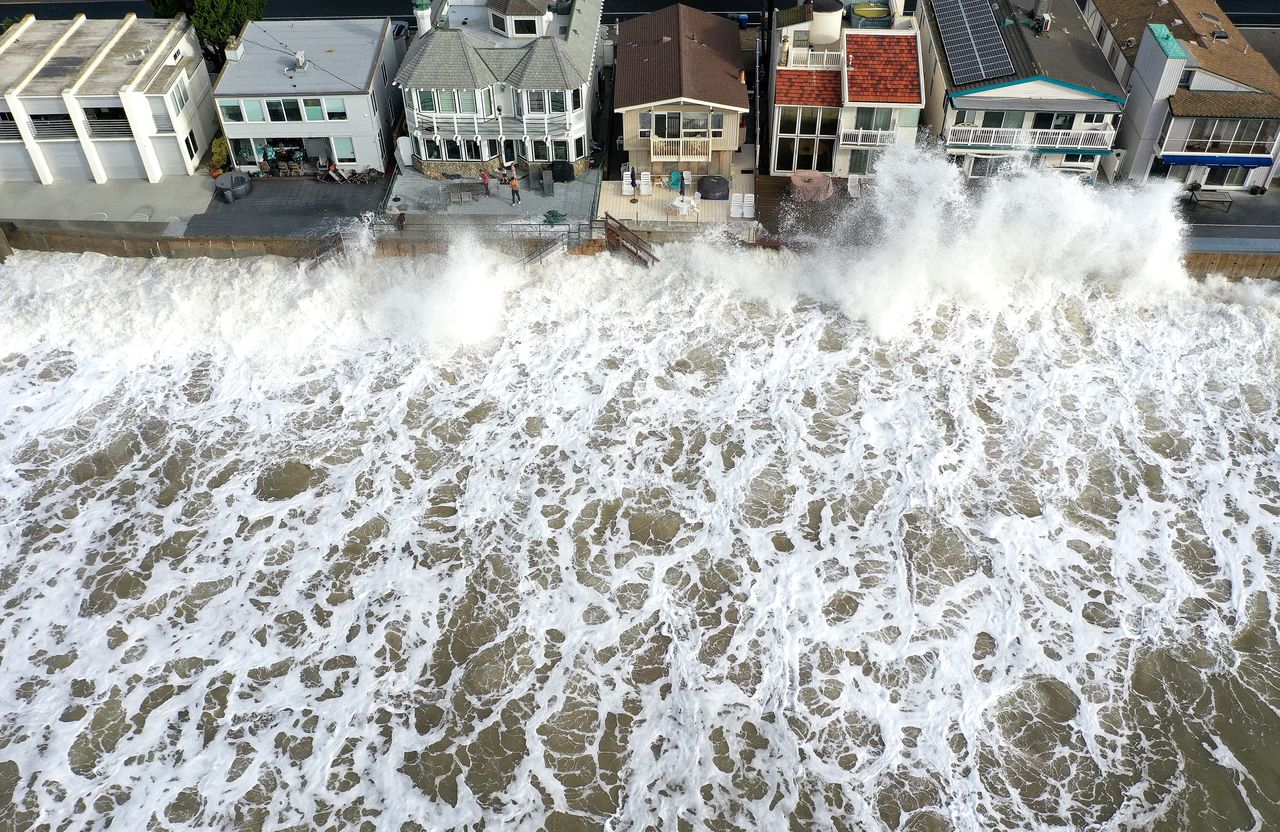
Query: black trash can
point(562, 171)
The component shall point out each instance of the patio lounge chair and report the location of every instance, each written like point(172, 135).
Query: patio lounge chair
point(627, 190)
point(646, 183)
point(749, 206)
point(689, 185)
point(735, 205)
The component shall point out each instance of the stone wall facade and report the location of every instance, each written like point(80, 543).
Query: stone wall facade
point(436, 168)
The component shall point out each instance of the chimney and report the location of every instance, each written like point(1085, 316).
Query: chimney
point(1041, 9)
point(422, 14)
point(234, 48)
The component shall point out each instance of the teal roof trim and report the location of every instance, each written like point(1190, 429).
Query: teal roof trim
point(1116, 98)
point(1172, 49)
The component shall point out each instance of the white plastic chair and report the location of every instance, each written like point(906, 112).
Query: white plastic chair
point(749, 206)
point(687, 179)
point(627, 189)
point(697, 200)
point(735, 205)
point(646, 183)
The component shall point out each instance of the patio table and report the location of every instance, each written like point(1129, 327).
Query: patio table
point(682, 205)
point(1212, 197)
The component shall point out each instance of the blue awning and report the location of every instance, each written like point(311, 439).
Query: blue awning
point(1217, 161)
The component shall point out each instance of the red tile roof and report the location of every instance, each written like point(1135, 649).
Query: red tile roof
point(812, 87)
point(883, 68)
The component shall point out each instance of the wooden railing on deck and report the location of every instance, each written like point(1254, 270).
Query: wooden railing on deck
point(620, 238)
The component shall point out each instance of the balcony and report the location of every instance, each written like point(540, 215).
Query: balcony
point(53, 128)
point(679, 150)
point(9, 131)
point(1245, 148)
point(472, 124)
point(110, 128)
point(1013, 139)
point(815, 59)
point(865, 138)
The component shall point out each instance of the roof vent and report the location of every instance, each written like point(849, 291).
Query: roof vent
point(1213, 18)
point(1129, 43)
point(300, 62)
point(666, 38)
point(1220, 35)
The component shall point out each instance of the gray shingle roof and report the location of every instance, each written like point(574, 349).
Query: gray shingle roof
point(452, 59)
point(519, 8)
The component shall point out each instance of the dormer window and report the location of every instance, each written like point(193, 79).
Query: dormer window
point(498, 23)
point(524, 27)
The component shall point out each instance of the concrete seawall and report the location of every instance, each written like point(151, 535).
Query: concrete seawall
point(148, 240)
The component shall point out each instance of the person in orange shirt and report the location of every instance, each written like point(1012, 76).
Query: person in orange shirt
point(515, 190)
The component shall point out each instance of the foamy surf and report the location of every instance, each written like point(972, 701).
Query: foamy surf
point(954, 529)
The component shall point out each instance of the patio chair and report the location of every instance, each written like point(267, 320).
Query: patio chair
point(689, 184)
point(646, 183)
point(697, 201)
point(749, 206)
point(674, 180)
point(627, 190)
point(339, 174)
point(735, 205)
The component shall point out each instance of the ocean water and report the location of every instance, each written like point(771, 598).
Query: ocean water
point(965, 519)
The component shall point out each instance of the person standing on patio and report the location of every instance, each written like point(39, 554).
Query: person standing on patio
point(484, 178)
point(515, 190)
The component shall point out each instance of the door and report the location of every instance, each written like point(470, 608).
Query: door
point(67, 161)
point(15, 163)
point(121, 160)
point(169, 151)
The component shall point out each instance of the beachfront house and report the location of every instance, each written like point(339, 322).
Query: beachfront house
point(681, 91)
point(1009, 80)
point(1204, 107)
point(490, 84)
point(100, 100)
point(845, 87)
point(309, 92)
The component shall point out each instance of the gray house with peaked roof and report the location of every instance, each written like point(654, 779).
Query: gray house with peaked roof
point(490, 84)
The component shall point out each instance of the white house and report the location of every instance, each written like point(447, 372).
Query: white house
point(1204, 107)
point(96, 100)
point(501, 82)
point(1006, 80)
point(842, 92)
point(319, 90)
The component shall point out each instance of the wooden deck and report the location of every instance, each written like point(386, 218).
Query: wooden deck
point(784, 219)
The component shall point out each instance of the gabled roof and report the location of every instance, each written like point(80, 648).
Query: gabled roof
point(807, 87)
point(679, 53)
point(1067, 53)
point(452, 59)
point(519, 8)
point(444, 59)
point(1193, 23)
point(883, 68)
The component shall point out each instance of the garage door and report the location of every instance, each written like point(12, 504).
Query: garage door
point(15, 163)
point(67, 161)
point(121, 160)
point(170, 153)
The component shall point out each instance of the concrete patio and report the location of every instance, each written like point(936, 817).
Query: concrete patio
point(413, 193)
point(289, 207)
point(173, 199)
point(1252, 224)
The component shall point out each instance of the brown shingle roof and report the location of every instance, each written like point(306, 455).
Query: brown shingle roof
point(883, 68)
point(802, 13)
point(679, 52)
point(1211, 104)
point(1231, 58)
point(811, 87)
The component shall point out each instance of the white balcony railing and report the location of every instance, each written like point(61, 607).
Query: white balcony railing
point(1246, 148)
point(815, 59)
point(1028, 139)
point(110, 128)
point(531, 124)
point(679, 150)
point(875, 138)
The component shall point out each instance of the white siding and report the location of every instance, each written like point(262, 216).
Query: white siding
point(120, 160)
point(15, 163)
point(67, 161)
point(171, 155)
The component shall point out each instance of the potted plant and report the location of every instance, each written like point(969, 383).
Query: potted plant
point(219, 156)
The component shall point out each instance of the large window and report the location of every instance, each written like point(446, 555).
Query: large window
point(873, 118)
point(1053, 121)
point(253, 110)
point(1226, 177)
point(863, 162)
point(231, 111)
point(1007, 119)
point(344, 149)
point(1228, 135)
point(426, 101)
point(557, 101)
point(806, 138)
point(694, 125)
point(537, 101)
point(525, 26)
point(179, 95)
point(313, 108)
point(284, 109)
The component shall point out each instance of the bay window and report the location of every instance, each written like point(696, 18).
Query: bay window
point(537, 101)
point(557, 101)
point(426, 101)
point(560, 149)
point(467, 101)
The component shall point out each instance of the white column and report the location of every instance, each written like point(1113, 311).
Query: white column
point(25, 129)
point(81, 124)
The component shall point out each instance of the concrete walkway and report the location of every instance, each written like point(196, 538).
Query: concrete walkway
point(289, 207)
point(419, 194)
point(172, 199)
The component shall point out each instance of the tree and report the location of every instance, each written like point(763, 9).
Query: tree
point(215, 20)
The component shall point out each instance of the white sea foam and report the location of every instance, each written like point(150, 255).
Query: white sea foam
point(969, 527)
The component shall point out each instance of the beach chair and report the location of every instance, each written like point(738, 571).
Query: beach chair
point(735, 205)
point(689, 185)
point(697, 200)
point(627, 190)
point(646, 183)
point(749, 206)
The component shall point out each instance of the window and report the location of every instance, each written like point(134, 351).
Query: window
point(1185, 79)
point(313, 108)
point(525, 27)
point(646, 125)
point(472, 148)
point(292, 112)
point(1095, 118)
point(985, 166)
point(694, 124)
point(537, 101)
point(432, 147)
point(275, 109)
point(577, 99)
point(231, 111)
point(810, 146)
point(579, 147)
point(193, 147)
point(862, 162)
point(510, 150)
point(487, 95)
point(446, 101)
point(373, 102)
point(1113, 54)
point(1052, 121)
point(467, 101)
point(426, 101)
point(874, 118)
point(541, 153)
point(801, 40)
point(253, 110)
point(829, 120)
point(965, 117)
point(452, 150)
point(344, 150)
point(490, 148)
point(242, 152)
point(497, 23)
point(1226, 177)
point(717, 125)
point(557, 101)
point(179, 95)
point(787, 120)
point(666, 125)
point(1077, 159)
point(560, 149)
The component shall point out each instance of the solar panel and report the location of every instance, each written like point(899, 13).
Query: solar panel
point(971, 38)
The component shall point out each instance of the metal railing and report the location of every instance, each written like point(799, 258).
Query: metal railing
point(815, 59)
point(110, 128)
point(164, 124)
point(1019, 139)
point(9, 130)
point(470, 124)
point(53, 129)
point(875, 138)
point(676, 150)
point(1253, 148)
